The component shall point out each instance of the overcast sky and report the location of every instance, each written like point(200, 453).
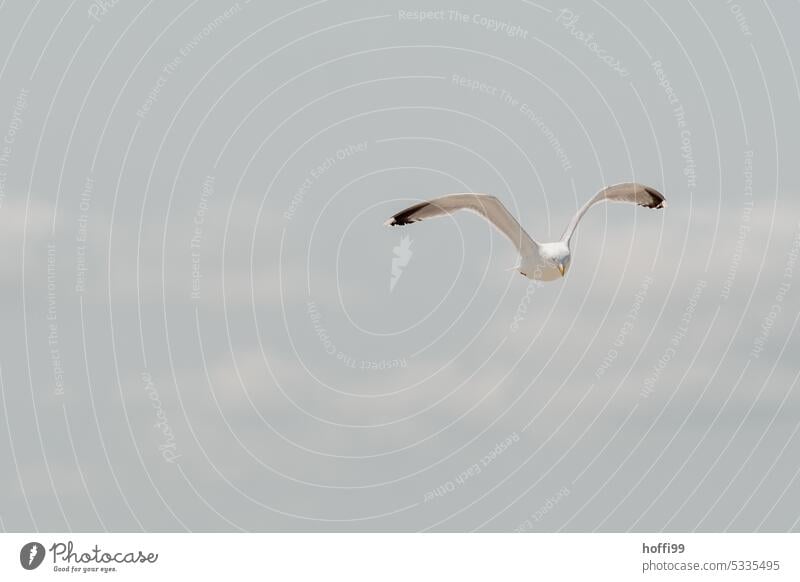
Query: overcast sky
point(206, 325)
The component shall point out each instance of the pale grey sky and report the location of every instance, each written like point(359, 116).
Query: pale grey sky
point(200, 331)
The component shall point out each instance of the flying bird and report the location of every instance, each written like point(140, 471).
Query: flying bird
point(540, 261)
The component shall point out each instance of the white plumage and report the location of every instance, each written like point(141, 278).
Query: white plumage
point(542, 261)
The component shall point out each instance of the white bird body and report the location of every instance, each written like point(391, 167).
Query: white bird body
point(540, 261)
point(542, 265)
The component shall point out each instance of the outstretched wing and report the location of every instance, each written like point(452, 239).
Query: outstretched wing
point(486, 206)
point(629, 192)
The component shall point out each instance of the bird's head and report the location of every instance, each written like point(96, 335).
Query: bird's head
point(557, 255)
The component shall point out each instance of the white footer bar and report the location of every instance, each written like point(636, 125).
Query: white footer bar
point(401, 557)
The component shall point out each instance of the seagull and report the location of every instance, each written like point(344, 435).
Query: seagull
point(539, 261)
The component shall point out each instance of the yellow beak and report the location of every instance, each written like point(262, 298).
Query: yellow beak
point(561, 269)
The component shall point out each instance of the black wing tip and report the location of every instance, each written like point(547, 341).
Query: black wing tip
point(404, 217)
point(395, 221)
point(399, 220)
point(658, 200)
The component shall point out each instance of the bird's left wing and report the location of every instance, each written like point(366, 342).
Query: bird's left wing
point(484, 205)
point(628, 192)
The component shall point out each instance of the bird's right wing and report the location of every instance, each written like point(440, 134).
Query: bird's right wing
point(628, 192)
point(486, 206)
